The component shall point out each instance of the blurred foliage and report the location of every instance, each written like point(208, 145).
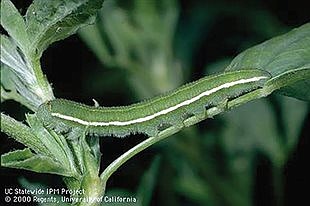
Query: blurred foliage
point(139, 41)
point(153, 46)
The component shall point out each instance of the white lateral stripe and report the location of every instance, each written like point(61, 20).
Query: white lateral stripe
point(165, 111)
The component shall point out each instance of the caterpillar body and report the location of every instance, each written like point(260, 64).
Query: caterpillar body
point(155, 115)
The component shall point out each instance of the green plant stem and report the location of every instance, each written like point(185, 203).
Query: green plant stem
point(135, 150)
point(94, 189)
point(44, 91)
point(91, 183)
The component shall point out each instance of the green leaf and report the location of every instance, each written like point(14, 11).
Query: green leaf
point(14, 24)
point(93, 145)
point(26, 73)
point(9, 90)
point(5, 80)
point(45, 144)
point(50, 21)
point(17, 155)
point(56, 144)
point(11, 57)
point(294, 83)
point(22, 134)
point(286, 58)
point(25, 159)
point(20, 75)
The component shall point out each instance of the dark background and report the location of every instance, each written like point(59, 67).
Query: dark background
point(70, 66)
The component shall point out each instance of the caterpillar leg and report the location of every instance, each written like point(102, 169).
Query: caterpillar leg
point(219, 108)
point(196, 117)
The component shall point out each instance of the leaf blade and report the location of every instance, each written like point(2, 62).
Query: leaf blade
point(50, 21)
point(14, 24)
point(285, 56)
point(22, 134)
point(25, 159)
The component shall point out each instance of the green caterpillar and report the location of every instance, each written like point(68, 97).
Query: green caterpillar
point(155, 115)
